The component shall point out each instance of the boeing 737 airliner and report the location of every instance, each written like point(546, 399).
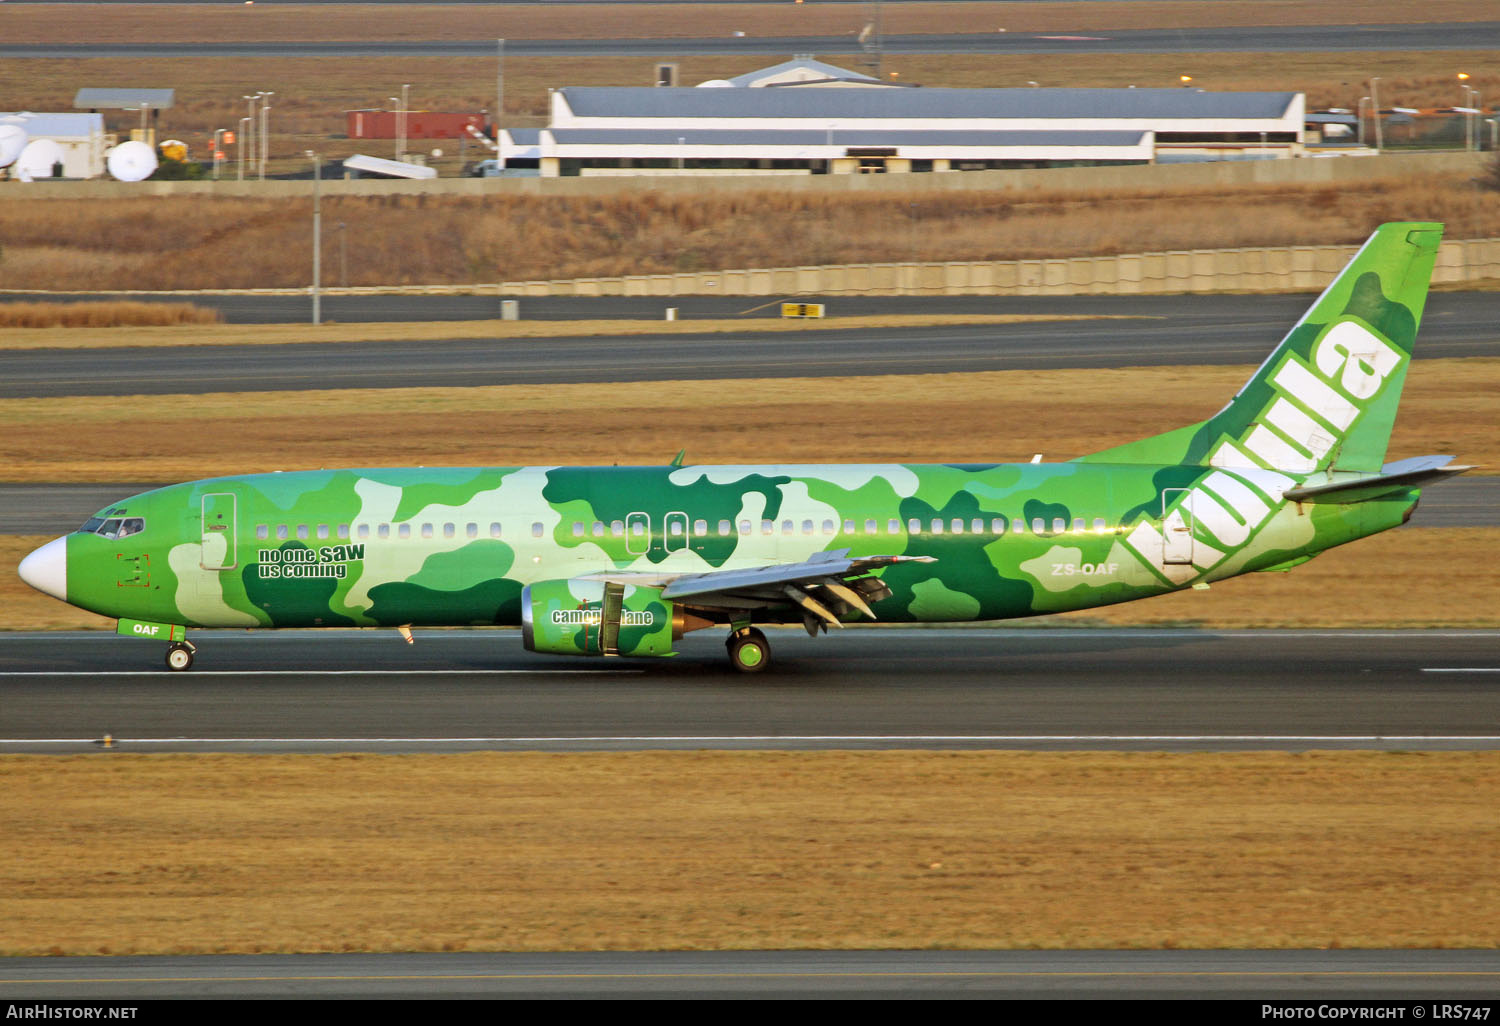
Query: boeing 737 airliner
point(621, 561)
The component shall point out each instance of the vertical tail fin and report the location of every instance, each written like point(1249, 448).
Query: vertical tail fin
point(1326, 398)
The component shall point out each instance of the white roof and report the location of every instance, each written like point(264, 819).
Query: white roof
point(56, 126)
point(395, 168)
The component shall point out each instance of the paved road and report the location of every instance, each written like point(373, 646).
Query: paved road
point(52, 509)
point(1268, 38)
point(1250, 977)
point(1006, 687)
point(1165, 331)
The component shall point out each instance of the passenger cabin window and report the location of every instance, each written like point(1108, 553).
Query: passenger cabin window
point(893, 526)
point(1100, 524)
point(343, 531)
point(384, 530)
point(1059, 525)
point(700, 528)
point(789, 527)
point(937, 526)
point(403, 530)
point(471, 530)
point(1038, 526)
point(322, 531)
point(617, 528)
point(871, 527)
point(746, 527)
point(957, 526)
point(1018, 525)
point(262, 531)
point(597, 529)
point(724, 529)
point(536, 529)
point(426, 530)
point(828, 527)
point(997, 525)
point(577, 529)
point(495, 530)
point(281, 532)
point(807, 527)
point(914, 526)
point(976, 526)
point(448, 530)
point(848, 527)
point(302, 532)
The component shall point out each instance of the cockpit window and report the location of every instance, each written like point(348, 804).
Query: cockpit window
point(114, 528)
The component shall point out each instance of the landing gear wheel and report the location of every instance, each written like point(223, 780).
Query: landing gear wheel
point(179, 656)
point(749, 651)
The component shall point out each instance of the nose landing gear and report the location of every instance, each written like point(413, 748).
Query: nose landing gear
point(180, 655)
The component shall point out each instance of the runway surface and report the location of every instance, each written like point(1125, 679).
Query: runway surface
point(53, 508)
point(1261, 38)
point(1007, 687)
point(1400, 977)
point(1164, 331)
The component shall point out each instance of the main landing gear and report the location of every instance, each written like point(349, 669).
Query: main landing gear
point(180, 655)
point(749, 651)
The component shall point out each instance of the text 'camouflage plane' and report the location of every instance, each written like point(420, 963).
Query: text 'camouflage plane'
point(621, 561)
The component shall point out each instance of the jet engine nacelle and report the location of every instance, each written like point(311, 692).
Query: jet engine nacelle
point(584, 617)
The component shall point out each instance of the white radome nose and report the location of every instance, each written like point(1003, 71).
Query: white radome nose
point(46, 569)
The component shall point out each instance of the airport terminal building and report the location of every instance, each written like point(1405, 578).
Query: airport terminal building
point(819, 125)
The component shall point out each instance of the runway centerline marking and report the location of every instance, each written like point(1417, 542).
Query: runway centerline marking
point(304, 673)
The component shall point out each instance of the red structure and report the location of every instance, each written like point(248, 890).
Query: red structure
point(420, 124)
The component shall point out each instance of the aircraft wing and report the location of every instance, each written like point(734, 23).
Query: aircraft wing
point(818, 585)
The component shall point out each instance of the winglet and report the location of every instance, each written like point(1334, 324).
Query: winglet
point(677, 460)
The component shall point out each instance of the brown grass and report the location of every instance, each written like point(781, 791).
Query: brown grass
point(1447, 407)
point(126, 854)
point(101, 315)
point(130, 22)
point(190, 242)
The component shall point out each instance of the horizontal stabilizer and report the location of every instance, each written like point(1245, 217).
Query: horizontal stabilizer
point(1340, 487)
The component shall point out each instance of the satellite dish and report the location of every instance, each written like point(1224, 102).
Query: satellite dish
point(38, 159)
point(131, 161)
point(716, 83)
point(12, 142)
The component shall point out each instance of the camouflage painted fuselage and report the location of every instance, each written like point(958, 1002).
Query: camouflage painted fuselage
point(455, 546)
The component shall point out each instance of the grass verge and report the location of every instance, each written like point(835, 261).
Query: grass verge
point(997, 416)
point(127, 854)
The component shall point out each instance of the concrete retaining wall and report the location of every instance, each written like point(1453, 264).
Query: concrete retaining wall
point(1273, 269)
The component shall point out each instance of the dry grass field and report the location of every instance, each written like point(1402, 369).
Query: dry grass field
point(1000, 416)
point(232, 242)
point(209, 22)
point(119, 853)
point(20, 315)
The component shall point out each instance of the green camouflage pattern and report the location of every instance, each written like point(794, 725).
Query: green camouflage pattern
point(460, 546)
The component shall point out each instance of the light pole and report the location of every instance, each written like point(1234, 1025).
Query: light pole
point(265, 132)
point(247, 129)
point(317, 163)
point(1359, 115)
point(247, 124)
point(1375, 111)
point(218, 133)
point(396, 112)
point(343, 255)
point(401, 121)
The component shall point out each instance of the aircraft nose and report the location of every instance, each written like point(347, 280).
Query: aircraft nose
point(46, 569)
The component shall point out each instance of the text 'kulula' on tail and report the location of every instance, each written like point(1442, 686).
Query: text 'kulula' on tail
point(1326, 398)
